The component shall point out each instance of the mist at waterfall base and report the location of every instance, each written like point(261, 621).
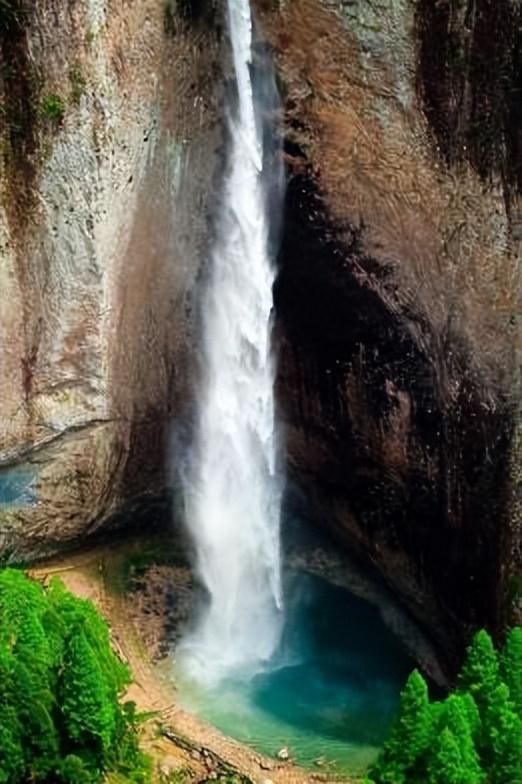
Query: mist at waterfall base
point(234, 485)
point(330, 691)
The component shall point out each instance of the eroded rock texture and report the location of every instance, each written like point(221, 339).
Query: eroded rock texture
point(109, 131)
point(398, 297)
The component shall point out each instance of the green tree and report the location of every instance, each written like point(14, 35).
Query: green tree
point(34, 704)
point(480, 673)
point(472, 715)
point(446, 765)
point(74, 771)
point(455, 714)
point(409, 736)
point(502, 731)
point(61, 719)
point(12, 762)
point(473, 736)
point(511, 667)
point(81, 613)
point(87, 708)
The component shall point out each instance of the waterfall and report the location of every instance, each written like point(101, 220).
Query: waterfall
point(233, 493)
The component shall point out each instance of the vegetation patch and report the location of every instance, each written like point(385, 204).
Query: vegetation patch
point(61, 715)
point(474, 736)
point(52, 108)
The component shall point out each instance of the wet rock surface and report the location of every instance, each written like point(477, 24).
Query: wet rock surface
point(398, 303)
point(414, 483)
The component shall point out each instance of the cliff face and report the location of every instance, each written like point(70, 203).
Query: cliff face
point(109, 133)
point(398, 297)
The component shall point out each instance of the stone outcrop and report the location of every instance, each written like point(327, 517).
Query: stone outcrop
point(399, 297)
point(109, 129)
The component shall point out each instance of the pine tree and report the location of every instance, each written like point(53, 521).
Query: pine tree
point(82, 613)
point(455, 715)
point(502, 732)
point(60, 686)
point(445, 765)
point(87, 708)
point(472, 714)
point(11, 753)
point(34, 703)
point(74, 771)
point(12, 761)
point(511, 667)
point(409, 736)
point(480, 674)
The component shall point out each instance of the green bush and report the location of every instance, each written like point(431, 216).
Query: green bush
point(474, 736)
point(410, 734)
point(53, 108)
point(510, 667)
point(61, 719)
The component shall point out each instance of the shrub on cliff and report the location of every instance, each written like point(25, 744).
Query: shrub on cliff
point(473, 737)
point(61, 719)
point(53, 108)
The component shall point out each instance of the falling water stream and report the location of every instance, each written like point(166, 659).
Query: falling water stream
point(323, 677)
point(234, 488)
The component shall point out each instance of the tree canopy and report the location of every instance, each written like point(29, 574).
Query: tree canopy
point(61, 716)
point(474, 736)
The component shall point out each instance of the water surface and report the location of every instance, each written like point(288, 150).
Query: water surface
point(331, 692)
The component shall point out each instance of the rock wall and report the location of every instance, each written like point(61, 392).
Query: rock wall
point(399, 298)
point(109, 134)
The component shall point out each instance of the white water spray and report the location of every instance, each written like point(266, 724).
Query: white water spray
point(234, 491)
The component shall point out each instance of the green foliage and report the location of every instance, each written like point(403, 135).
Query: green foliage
point(74, 770)
point(511, 669)
point(53, 108)
point(88, 706)
point(446, 765)
point(459, 716)
point(472, 714)
point(61, 719)
point(502, 738)
point(178, 776)
point(473, 737)
point(480, 674)
point(409, 735)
